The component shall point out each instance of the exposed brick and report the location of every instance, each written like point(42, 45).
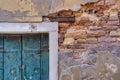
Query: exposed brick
point(80, 34)
point(113, 18)
point(68, 41)
point(79, 50)
point(110, 27)
point(99, 14)
point(77, 46)
point(118, 39)
point(77, 13)
point(107, 39)
point(114, 34)
point(76, 33)
point(60, 40)
point(91, 40)
point(66, 13)
point(111, 23)
point(113, 15)
point(84, 19)
point(102, 23)
point(62, 29)
point(93, 28)
point(103, 7)
point(62, 34)
point(90, 46)
point(75, 23)
point(78, 27)
point(97, 33)
point(63, 25)
point(80, 41)
point(72, 46)
point(77, 18)
point(90, 23)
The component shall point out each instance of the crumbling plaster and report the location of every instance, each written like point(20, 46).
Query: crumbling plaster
point(38, 7)
point(33, 10)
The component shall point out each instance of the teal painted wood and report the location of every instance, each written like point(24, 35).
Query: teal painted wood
point(24, 57)
point(12, 57)
point(1, 58)
point(30, 57)
point(44, 57)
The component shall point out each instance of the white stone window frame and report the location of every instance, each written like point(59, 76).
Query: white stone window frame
point(31, 28)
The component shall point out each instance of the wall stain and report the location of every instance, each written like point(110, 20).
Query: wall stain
point(19, 5)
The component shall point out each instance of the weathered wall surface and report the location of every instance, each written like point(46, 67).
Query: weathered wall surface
point(32, 10)
point(90, 46)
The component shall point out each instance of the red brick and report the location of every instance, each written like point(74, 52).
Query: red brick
point(114, 34)
point(110, 27)
point(77, 46)
point(66, 13)
point(77, 13)
point(102, 23)
point(80, 41)
point(78, 27)
point(90, 46)
point(99, 14)
point(107, 39)
point(60, 40)
point(75, 23)
point(68, 41)
point(104, 7)
point(93, 28)
point(63, 25)
point(76, 33)
point(114, 23)
point(73, 46)
point(97, 33)
point(63, 32)
point(79, 50)
point(62, 29)
point(81, 34)
point(91, 40)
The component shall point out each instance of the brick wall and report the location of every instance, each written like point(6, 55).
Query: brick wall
point(90, 47)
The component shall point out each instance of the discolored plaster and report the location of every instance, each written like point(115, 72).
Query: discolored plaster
point(39, 8)
point(69, 4)
point(18, 6)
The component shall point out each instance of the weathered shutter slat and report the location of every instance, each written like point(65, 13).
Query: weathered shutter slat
point(1, 58)
point(24, 57)
point(12, 57)
point(44, 58)
point(30, 57)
